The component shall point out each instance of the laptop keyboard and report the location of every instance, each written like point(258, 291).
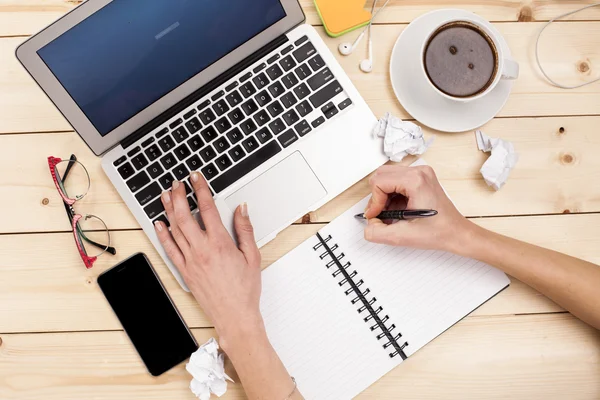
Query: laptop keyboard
point(237, 129)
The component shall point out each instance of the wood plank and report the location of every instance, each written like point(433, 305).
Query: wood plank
point(565, 52)
point(50, 290)
point(552, 176)
point(25, 17)
point(547, 356)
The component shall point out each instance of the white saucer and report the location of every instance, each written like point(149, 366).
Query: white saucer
point(417, 96)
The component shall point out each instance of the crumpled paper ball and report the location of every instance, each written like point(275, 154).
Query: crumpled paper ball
point(207, 367)
point(401, 138)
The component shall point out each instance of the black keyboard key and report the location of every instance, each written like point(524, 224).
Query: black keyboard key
point(287, 138)
point(302, 128)
point(326, 94)
point(155, 208)
point(210, 171)
point(234, 135)
point(261, 118)
point(302, 91)
point(218, 95)
point(168, 161)
point(175, 123)
point(303, 72)
point(207, 116)
point(139, 161)
point(221, 144)
point(120, 161)
point(260, 81)
point(147, 142)
point(316, 63)
point(190, 114)
point(166, 181)
point(188, 189)
point(290, 117)
point(134, 151)
point(245, 77)
point(236, 153)
point(208, 153)
point(209, 134)
point(263, 136)
point(223, 162)
point(182, 152)
point(273, 59)
point(126, 171)
point(162, 132)
point(318, 122)
point(138, 181)
point(250, 144)
point(245, 166)
point(194, 163)
point(203, 105)
point(275, 108)
point(166, 143)
point(276, 89)
point(234, 98)
point(223, 125)
point(192, 203)
point(259, 68)
point(277, 126)
point(220, 107)
point(150, 192)
point(263, 98)
point(155, 170)
point(236, 116)
point(321, 78)
point(287, 49)
point(304, 52)
point(345, 104)
point(274, 72)
point(162, 218)
point(301, 40)
point(232, 86)
point(289, 80)
point(248, 126)
point(247, 89)
point(288, 99)
point(153, 152)
point(181, 172)
point(329, 110)
point(249, 107)
point(304, 108)
point(180, 134)
point(195, 143)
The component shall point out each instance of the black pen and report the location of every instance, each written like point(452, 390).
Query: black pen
point(402, 215)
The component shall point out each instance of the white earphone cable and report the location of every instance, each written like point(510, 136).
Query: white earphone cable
point(537, 44)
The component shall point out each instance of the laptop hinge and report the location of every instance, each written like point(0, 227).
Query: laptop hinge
point(203, 91)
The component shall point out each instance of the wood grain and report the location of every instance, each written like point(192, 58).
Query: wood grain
point(546, 356)
point(569, 56)
point(552, 176)
point(50, 290)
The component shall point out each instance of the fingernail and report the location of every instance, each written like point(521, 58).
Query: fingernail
point(195, 176)
point(166, 197)
point(175, 184)
point(367, 210)
point(244, 210)
point(158, 226)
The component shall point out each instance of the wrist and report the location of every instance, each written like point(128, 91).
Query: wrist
point(465, 239)
point(239, 334)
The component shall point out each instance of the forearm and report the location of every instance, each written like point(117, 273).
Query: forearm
point(258, 366)
point(570, 282)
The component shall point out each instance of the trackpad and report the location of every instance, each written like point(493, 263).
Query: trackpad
point(279, 195)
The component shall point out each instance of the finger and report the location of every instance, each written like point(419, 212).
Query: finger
point(245, 235)
point(378, 232)
point(206, 205)
point(390, 180)
point(178, 236)
point(183, 216)
point(167, 242)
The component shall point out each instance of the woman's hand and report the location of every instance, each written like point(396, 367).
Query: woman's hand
point(224, 278)
point(413, 188)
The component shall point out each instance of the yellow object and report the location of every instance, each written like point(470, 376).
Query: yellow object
point(342, 16)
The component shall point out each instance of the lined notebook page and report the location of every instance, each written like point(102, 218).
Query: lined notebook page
point(423, 292)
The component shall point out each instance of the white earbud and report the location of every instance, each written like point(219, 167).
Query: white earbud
point(367, 65)
point(347, 48)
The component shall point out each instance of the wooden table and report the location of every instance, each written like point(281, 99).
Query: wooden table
point(60, 340)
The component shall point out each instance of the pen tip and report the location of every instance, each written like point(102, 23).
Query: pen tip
point(360, 216)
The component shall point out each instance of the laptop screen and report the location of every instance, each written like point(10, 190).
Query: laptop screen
point(130, 53)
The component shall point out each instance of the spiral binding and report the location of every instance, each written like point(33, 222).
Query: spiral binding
point(361, 299)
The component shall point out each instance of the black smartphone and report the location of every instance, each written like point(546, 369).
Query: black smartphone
point(147, 314)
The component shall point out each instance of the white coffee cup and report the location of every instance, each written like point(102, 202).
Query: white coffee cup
point(506, 68)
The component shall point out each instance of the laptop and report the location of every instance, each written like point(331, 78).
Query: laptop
point(243, 91)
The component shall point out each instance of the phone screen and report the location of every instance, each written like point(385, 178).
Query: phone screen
point(147, 314)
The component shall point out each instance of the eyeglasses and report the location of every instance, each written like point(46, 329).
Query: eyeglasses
point(89, 231)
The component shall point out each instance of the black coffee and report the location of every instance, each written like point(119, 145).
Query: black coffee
point(461, 60)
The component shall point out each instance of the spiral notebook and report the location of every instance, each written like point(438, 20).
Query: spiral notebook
point(342, 312)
